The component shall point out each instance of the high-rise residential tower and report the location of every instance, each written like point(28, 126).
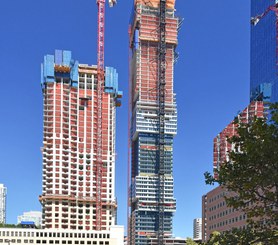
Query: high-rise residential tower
point(197, 229)
point(263, 70)
point(69, 145)
point(152, 57)
point(3, 197)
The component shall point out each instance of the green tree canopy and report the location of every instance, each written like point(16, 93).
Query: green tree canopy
point(252, 173)
point(190, 241)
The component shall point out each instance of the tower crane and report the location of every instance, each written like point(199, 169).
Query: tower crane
point(100, 91)
point(256, 19)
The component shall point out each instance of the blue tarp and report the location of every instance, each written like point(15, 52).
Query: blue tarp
point(27, 222)
point(111, 80)
point(48, 68)
point(74, 72)
point(58, 57)
point(66, 58)
point(111, 83)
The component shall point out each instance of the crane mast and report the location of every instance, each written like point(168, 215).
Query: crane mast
point(161, 114)
point(100, 91)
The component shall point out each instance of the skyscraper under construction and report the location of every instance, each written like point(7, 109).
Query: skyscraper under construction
point(153, 119)
point(76, 195)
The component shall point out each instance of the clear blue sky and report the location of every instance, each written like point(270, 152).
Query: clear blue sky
point(211, 82)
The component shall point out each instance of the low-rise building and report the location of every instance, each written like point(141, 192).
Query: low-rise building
point(53, 236)
point(217, 216)
point(35, 216)
point(168, 241)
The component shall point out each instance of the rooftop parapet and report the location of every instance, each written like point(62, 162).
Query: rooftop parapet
point(170, 4)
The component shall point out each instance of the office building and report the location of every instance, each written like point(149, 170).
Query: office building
point(151, 199)
point(216, 216)
point(263, 72)
point(3, 198)
point(34, 216)
point(72, 181)
point(197, 229)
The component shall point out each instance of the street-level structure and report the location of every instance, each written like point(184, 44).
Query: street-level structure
point(53, 236)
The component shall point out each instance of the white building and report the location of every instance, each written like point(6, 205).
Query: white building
point(3, 194)
point(114, 236)
point(197, 229)
point(35, 216)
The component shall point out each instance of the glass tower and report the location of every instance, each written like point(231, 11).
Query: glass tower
point(263, 77)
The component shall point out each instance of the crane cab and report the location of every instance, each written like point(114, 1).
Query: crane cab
point(112, 3)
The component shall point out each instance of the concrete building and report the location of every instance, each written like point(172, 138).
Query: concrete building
point(153, 120)
point(53, 236)
point(35, 216)
point(216, 216)
point(72, 181)
point(197, 229)
point(3, 199)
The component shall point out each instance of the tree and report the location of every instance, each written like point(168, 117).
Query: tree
point(9, 225)
point(251, 173)
point(234, 237)
point(190, 241)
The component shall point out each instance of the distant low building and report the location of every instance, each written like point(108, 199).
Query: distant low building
point(197, 229)
point(168, 241)
point(35, 216)
point(3, 194)
point(113, 236)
